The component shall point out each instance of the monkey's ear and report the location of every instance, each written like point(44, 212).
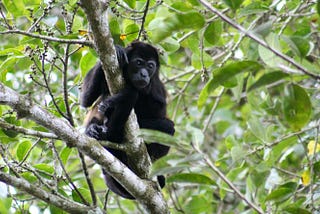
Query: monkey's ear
point(122, 56)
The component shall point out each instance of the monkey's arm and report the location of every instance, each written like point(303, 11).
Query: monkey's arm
point(95, 84)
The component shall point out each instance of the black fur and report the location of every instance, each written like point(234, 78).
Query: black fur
point(143, 92)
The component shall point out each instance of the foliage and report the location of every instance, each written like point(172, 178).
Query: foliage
point(240, 108)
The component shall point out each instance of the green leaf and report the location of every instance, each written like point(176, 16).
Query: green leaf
point(77, 23)
point(64, 155)
point(233, 174)
point(279, 195)
point(132, 31)
point(6, 205)
point(222, 75)
point(181, 6)
point(263, 29)
point(191, 20)
point(56, 210)
point(162, 138)
point(299, 45)
point(15, 7)
point(114, 26)
point(196, 134)
point(233, 4)
point(237, 153)
point(198, 204)
point(193, 2)
point(267, 56)
point(29, 3)
point(296, 210)
point(170, 44)
point(318, 7)
point(316, 168)
point(131, 3)
point(280, 149)
point(230, 142)
point(72, 2)
point(84, 192)
point(196, 60)
point(87, 62)
point(169, 170)
point(8, 65)
point(44, 167)
point(29, 177)
point(253, 8)
point(267, 79)
point(12, 120)
point(190, 178)
point(296, 106)
point(23, 149)
point(17, 51)
point(213, 32)
point(161, 28)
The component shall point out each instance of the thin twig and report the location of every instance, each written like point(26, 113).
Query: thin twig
point(311, 166)
point(287, 21)
point(63, 203)
point(49, 38)
point(178, 76)
point(43, 56)
point(105, 204)
point(180, 93)
point(7, 126)
point(257, 39)
point(3, 153)
point(227, 181)
point(138, 11)
point(144, 19)
point(276, 142)
point(213, 110)
point(5, 19)
point(28, 152)
point(237, 44)
point(35, 172)
point(64, 84)
point(68, 177)
point(86, 173)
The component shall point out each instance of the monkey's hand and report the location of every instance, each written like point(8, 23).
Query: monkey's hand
point(99, 132)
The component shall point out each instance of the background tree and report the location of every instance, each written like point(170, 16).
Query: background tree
point(243, 83)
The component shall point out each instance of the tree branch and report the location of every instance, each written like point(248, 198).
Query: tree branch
point(254, 37)
point(227, 181)
point(143, 190)
point(7, 126)
point(98, 19)
point(48, 38)
point(61, 202)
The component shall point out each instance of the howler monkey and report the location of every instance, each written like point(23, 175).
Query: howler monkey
point(143, 92)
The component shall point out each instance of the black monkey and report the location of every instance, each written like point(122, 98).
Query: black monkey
point(144, 92)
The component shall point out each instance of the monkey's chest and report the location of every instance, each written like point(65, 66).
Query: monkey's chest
point(148, 108)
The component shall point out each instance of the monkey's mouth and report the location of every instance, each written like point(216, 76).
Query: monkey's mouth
point(140, 84)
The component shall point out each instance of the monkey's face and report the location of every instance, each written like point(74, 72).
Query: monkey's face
point(140, 71)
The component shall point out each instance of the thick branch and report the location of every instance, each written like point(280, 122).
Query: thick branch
point(143, 190)
point(98, 19)
point(63, 203)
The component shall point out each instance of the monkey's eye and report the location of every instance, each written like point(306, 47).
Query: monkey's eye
point(139, 62)
point(151, 65)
